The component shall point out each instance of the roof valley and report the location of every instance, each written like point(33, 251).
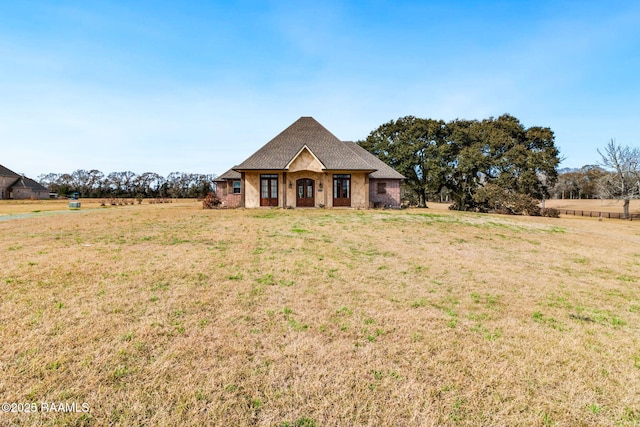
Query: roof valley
point(331, 153)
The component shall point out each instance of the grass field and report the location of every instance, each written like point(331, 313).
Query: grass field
point(174, 315)
point(595, 205)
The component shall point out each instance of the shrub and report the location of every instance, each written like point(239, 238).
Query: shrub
point(211, 201)
point(550, 212)
point(498, 199)
point(524, 204)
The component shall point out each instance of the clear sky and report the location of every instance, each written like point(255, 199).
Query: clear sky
point(198, 86)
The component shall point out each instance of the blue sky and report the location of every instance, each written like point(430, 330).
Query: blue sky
point(198, 86)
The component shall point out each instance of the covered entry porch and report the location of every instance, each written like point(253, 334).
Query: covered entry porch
point(306, 189)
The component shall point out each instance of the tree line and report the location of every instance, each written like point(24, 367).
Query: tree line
point(582, 183)
point(616, 177)
point(94, 183)
point(490, 164)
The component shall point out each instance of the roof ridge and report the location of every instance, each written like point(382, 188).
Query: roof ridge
point(304, 147)
point(327, 148)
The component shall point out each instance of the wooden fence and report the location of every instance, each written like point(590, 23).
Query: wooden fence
point(597, 214)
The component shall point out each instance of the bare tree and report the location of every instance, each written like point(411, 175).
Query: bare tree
point(49, 180)
point(93, 183)
point(80, 179)
point(96, 181)
point(624, 181)
point(121, 183)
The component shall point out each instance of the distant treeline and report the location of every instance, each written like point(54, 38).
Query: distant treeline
point(94, 183)
point(588, 182)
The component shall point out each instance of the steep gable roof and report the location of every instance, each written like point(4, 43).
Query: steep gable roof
point(281, 150)
point(382, 170)
point(305, 160)
point(24, 182)
point(7, 172)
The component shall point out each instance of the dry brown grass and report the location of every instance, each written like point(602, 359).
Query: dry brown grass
point(32, 207)
point(596, 205)
point(174, 315)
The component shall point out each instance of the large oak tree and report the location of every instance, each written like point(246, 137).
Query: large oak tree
point(416, 148)
point(463, 156)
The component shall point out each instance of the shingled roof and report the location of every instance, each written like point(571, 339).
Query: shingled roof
point(382, 170)
point(306, 131)
point(24, 182)
point(230, 174)
point(6, 172)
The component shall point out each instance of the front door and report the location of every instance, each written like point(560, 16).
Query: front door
point(342, 190)
point(268, 190)
point(304, 193)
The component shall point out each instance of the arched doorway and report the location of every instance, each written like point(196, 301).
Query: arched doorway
point(305, 196)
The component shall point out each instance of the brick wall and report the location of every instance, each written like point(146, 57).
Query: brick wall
point(224, 191)
point(390, 196)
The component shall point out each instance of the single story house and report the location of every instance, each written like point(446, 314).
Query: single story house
point(307, 166)
point(15, 186)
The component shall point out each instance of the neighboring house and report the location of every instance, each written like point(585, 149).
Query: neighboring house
point(15, 186)
point(307, 166)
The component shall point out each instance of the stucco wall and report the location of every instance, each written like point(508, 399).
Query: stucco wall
point(320, 193)
point(359, 189)
point(252, 188)
point(287, 196)
point(305, 161)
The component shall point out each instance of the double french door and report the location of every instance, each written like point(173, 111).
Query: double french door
point(269, 190)
point(305, 196)
point(342, 190)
